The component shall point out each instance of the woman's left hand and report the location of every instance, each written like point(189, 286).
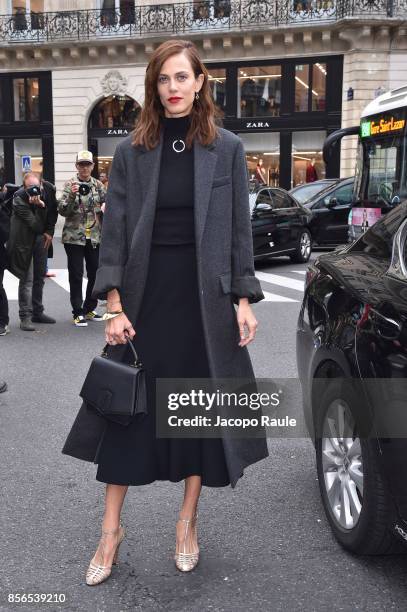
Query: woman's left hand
point(245, 317)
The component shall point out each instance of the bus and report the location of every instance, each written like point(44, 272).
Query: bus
point(381, 164)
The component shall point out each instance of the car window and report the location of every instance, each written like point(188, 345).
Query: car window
point(264, 197)
point(281, 199)
point(307, 192)
point(343, 194)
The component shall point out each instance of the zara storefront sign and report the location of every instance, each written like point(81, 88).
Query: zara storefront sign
point(257, 124)
point(116, 132)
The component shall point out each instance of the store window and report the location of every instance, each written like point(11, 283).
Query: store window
point(318, 87)
point(111, 119)
point(26, 99)
point(259, 91)
point(301, 87)
point(2, 169)
point(263, 158)
point(307, 163)
point(217, 82)
point(114, 112)
point(310, 87)
point(27, 155)
point(1, 103)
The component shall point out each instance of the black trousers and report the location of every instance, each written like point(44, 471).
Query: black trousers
point(76, 254)
point(4, 320)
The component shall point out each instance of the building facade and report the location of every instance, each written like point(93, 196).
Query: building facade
point(285, 74)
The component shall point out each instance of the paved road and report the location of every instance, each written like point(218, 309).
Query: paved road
point(264, 546)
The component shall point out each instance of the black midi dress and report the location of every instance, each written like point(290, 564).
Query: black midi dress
point(169, 336)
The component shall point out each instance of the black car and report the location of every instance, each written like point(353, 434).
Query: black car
point(279, 225)
point(305, 192)
point(330, 212)
point(352, 364)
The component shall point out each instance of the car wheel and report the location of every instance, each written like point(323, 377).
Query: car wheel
point(303, 251)
point(356, 500)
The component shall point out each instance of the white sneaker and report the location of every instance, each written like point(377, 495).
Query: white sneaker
point(80, 321)
point(4, 330)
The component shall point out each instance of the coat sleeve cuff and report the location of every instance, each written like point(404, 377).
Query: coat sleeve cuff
point(107, 278)
point(248, 287)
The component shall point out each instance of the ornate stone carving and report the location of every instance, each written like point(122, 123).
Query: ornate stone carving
point(114, 84)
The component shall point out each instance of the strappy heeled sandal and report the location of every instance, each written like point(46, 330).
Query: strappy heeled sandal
point(99, 573)
point(184, 561)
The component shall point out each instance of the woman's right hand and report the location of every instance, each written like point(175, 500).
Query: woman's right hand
point(118, 330)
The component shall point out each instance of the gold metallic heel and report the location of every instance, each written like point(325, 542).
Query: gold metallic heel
point(99, 573)
point(184, 561)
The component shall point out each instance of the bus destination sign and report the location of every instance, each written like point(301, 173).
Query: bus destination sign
point(382, 124)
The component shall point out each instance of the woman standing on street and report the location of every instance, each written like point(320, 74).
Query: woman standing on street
point(176, 253)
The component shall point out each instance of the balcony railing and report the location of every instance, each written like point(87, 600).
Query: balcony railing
point(186, 17)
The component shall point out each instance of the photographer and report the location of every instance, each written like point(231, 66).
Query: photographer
point(34, 215)
point(80, 204)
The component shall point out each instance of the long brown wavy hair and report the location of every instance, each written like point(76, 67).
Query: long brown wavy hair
point(204, 114)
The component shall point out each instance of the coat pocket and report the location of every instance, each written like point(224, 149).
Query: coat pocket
point(226, 282)
point(221, 180)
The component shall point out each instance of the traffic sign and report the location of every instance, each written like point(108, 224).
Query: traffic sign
point(26, 162)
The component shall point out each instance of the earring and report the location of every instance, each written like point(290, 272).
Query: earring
point(196, 95)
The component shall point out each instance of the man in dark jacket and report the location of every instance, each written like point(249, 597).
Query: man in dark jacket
point(5, 214)
point(31, 232)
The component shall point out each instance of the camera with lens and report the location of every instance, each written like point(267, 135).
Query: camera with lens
point(33, 191)
point(84, 189)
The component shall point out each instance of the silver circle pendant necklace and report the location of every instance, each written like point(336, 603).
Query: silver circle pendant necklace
point(181, 146)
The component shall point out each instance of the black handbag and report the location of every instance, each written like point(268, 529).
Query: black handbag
point(116, 390)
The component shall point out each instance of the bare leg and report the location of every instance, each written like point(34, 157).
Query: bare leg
point(114, 499)
point(192, 491)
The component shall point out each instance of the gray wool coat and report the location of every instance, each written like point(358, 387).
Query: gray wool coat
point(224, 252)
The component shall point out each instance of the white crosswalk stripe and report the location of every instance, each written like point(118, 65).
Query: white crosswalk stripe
point(273, 297)
point(299, 272)
point(281, 281)
point(62, 280)
point(10, 282)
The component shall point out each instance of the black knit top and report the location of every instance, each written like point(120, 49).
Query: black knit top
point(174, 217)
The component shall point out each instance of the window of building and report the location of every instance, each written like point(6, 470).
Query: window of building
point(28, 12)
point(307, 164)
point(114, 112)
point(259, 91)
point(301, 87)
point(27, 147)
point(221, 9)
point(127, 12)
point(263, 157)
point(318, 96)
point(26, 99)
point(217, 82)
point(2, 170)
point(108, 13)
point(310, 87)
point(1, 103)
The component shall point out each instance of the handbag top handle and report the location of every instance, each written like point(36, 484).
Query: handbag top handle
point(137, 361)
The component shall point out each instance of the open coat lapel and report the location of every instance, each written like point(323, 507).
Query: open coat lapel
point(205, 158)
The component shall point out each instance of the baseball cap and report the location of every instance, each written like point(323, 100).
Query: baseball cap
point(84, 156)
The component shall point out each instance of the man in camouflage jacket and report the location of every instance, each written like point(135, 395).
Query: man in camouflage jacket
point(80, 204)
